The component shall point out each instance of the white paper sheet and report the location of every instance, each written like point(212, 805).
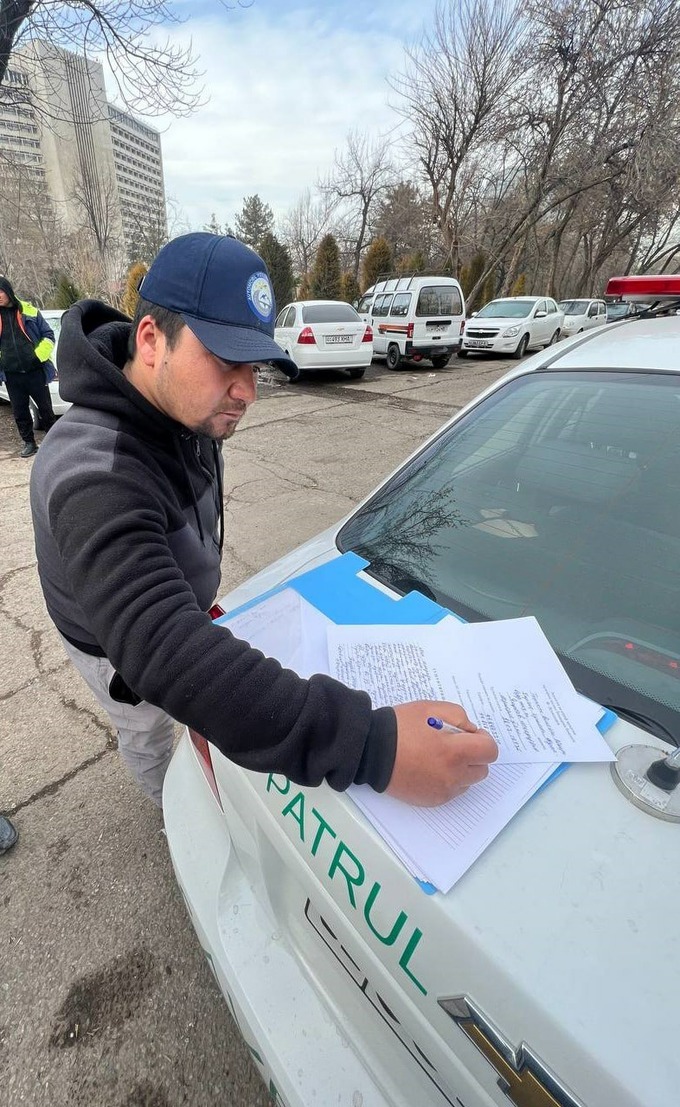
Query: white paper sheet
point(439, 844)
point(287, 627)
point(395, 664)
point(504, 673)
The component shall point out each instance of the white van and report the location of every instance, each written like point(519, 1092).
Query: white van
point(414, 318)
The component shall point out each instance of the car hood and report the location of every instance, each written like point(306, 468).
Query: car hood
point(558, 940)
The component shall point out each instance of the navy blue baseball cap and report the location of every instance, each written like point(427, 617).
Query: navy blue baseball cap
point(223, 292)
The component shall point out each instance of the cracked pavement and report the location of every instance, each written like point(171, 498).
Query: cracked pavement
point(105, 997)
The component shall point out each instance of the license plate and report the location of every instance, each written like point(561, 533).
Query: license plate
point(479, 342)
point(437, 328)
point(339, 339)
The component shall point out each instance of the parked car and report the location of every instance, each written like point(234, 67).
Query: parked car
point(547, 975)
point(582, 315)
point(620, 310)
point(414, 318)
point(325, 334)
point(59, 405)
point(512, 325)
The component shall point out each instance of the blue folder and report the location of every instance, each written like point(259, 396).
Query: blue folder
point(336, 589)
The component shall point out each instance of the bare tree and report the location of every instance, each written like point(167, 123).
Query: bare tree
point(455, 94)
point(96, 197)
point(303, 227)
point(361, 174)
point(601, 79)
point(146, 230)
point(548, 135)
point(151, 74)
point(31, 235)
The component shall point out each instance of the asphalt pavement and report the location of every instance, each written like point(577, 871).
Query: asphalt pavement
point(105, 997)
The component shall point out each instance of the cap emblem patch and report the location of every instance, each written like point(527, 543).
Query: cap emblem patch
point(260, 296)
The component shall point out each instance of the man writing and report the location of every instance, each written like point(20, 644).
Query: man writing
point(26, 342)
point(127, 505)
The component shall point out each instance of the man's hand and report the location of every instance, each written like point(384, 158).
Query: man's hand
point(432, 766)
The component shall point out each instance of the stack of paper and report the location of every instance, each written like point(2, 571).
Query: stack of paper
point(506, 676)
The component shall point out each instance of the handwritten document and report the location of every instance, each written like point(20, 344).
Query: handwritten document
point(505, 674)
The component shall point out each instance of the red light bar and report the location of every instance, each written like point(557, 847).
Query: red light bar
point(659, 286)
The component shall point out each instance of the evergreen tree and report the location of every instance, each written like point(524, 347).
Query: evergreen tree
point(325, 276)
point(128, 303)
point(378, 261)
point(489, 288)
point(66, 293)
point(213, 227)
point(255, 220)
point(404, 218)
point(470, 274)
point(349, 288)
point(277, 259)
point(413, 263)
point(304, 287)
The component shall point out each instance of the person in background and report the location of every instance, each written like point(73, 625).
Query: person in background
point(26, 342)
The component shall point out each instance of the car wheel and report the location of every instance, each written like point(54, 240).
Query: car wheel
point(555, 338)
point(440, 362)
point(393, 357)
point(462, 352)
point(522, 346)
point(356, 374)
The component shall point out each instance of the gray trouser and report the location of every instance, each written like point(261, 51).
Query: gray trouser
point(145, 732)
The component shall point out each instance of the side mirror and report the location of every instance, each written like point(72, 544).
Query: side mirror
point(540, 315)
point(472, 314)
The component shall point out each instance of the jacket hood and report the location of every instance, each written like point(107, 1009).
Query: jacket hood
point(5, 286)
point(92, 354)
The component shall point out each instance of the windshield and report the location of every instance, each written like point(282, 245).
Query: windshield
point(506, 309)
point(617, 311)
point(558, 496)
point(573, 307)
point(329, 313)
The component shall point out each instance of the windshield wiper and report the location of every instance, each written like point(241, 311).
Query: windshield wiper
point(653, 726)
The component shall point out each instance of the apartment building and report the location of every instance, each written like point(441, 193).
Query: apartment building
point(101, 169)
point(138, 163)
point(19, 131)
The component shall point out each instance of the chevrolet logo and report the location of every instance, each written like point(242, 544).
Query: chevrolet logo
point(523, 1077)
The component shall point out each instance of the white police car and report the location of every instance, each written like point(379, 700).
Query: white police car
point(547, 976)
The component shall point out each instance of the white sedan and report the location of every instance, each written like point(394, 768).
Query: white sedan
point(512, 325)
point(547, 974)
point(59, 406)
point(582, 315)
point(325, 334)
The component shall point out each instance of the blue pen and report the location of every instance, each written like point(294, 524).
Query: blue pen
point(439, 724)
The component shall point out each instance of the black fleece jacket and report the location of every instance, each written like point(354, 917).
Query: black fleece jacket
point(127, 512)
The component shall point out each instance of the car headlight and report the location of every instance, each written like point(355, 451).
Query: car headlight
point(511, 332)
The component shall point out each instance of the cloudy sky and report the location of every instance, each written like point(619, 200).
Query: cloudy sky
point(287, 79)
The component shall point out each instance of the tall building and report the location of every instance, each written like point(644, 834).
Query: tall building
point(138, 164)
point(20, 144)
point(101, 168)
